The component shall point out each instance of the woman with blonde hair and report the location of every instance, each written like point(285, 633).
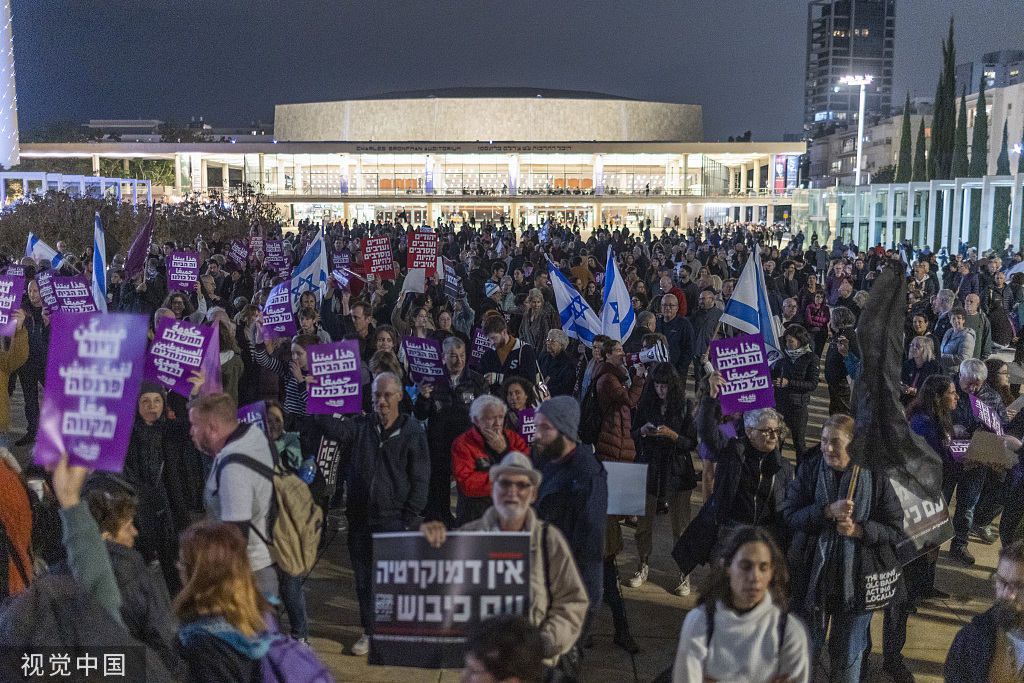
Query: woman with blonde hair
point(224, 633)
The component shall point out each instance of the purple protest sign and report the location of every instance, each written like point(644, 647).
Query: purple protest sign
point(45, 282)
point(278, 320)
point(337, 385)
point(254, 414)
point(73, 294)
point(424, 359)
point(11, 289)
point(15, 269)
point(182, 270)
point(239, 253)
point(528, 424)
point(958, 449)
point(93, 374)
point(177, 351)
point(744, 366)
point(480, 345)
point(988, 416)
point(274, 258)
point(340, 259)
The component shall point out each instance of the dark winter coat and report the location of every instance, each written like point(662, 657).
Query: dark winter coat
point(447, 415)
point(559, 373)
point(806, 520)
point(802, 375)
point(970, 656)
point(387, 474)
point(573, 495)
point(679, 333)
point(669, 463)
point(617, 401)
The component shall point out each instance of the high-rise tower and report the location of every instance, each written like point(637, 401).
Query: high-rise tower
point(847, 37)
point(8, 99)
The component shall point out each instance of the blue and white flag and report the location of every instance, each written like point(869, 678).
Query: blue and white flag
point(311, 273)
point(578, 319)
point(617, 316)
point(99, 267)
point(39, 250)
point(542, 234)
point(903, 257)
point(749, 311)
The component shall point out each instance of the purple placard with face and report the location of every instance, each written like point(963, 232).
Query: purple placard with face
point(177, 351)
point(278, 320)
point(254, 414)
point(93, 373)
point(337, 385)
point(11, 289)
point(480, 345)
point(239, 253)
point(45, 282)
point(15, 269)
point(528, 424)
point(73, 294)
point(424, 359)
point(744, 365)
point(988, 416)
point(182, 270)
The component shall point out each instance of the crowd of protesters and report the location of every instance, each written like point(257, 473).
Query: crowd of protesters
point(787, 540)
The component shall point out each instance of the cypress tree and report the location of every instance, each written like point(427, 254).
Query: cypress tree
point(920, 173)
point(1001, 215)
point(1003, 160)
point(979, 141)
point(944, 129)
point(904, 168)
point(961, 165)
point(937, 115)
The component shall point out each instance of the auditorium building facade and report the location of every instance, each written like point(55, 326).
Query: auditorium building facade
point(512, 154)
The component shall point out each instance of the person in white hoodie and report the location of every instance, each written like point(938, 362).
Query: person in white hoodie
point(741, 631)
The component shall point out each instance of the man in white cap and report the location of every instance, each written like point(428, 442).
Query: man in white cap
point(558, 600)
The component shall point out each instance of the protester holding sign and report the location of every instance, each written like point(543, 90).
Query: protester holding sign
point(795, 377)
point(37, 325)
point(13, 354)
point(387, 475)
point(846, 523)
point(558, 601)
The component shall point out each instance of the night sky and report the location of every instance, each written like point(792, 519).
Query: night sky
point(233, 60)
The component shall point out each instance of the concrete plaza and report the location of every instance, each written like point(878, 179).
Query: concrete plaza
point(655, 613)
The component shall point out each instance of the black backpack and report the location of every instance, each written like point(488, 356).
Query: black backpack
point(590, 415)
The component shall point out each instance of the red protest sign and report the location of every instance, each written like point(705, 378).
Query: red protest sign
point(377, 257)
point(423, 252)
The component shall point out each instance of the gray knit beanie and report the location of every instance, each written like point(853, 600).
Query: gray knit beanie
point(563, 412)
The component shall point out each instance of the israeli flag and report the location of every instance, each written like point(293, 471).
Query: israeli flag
point(617, 316)
point(311, 273)
point(903, 257)
point(748, 309)
point(99, 267)
point(578, 319)
point(542, 234)
point(39, 250)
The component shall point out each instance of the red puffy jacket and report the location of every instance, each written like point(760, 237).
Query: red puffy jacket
point(472, 460)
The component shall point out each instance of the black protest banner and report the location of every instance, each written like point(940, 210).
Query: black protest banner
point(926, 523)
point(426, 599)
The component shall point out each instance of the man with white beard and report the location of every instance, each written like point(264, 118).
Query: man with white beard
point(558, 601)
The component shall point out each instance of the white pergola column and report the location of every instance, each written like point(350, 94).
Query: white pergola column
point(856, 214)
point(890, 214)
point(947, 215)
point(177, 173)
point(757, 175)
point(956, 218)
point(96, 164)
point(225, 180)
point(1016, 198)
point(965, 217)
point(872, 222)
point(988, 211)
point(933, 210)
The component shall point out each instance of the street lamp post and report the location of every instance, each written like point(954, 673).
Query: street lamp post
point(863, 82)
